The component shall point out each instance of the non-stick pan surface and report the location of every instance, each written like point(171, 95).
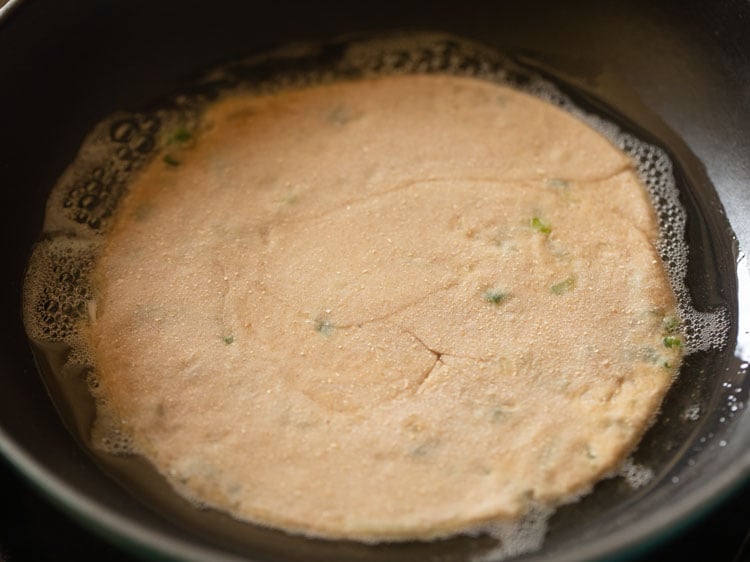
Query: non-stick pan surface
point(676, 75)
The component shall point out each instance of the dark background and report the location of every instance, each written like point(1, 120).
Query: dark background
point(50, 64)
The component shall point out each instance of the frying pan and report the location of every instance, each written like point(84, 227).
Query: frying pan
point(676, 75)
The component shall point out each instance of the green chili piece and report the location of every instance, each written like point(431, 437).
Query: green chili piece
point(182, 135)
point(540, 226)
point(324, 327)
point(494, 296)
point(563, 286)
point(170, 160)
point(672, 341)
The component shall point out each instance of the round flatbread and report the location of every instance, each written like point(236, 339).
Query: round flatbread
point(384, 309)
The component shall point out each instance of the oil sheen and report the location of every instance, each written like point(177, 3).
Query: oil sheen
point(377, 308)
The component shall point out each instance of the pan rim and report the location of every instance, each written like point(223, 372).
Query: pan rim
point(106, 522)
point(653, 529)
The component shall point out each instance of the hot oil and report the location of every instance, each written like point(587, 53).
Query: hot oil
point(58, 290)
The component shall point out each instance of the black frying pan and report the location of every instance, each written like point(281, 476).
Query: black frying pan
point(675, 75)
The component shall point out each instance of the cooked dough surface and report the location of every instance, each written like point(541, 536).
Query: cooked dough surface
point(385, 309)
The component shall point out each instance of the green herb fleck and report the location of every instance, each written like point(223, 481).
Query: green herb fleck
point(563, 286)
point(557, 182)
point(670, 324)
point(498, 414)
point(540, 226)
point(494, 296)
point(672, 341)
point(228, 339)
point(291, 199)
point(424, 449)
point(181, 135)
point(324, 327)
point(170, 160)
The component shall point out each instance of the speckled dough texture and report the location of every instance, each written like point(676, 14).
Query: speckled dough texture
point(384, 309)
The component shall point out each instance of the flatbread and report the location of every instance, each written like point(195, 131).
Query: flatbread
point(385, 309)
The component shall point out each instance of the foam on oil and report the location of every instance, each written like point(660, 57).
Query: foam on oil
point(58, 300)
